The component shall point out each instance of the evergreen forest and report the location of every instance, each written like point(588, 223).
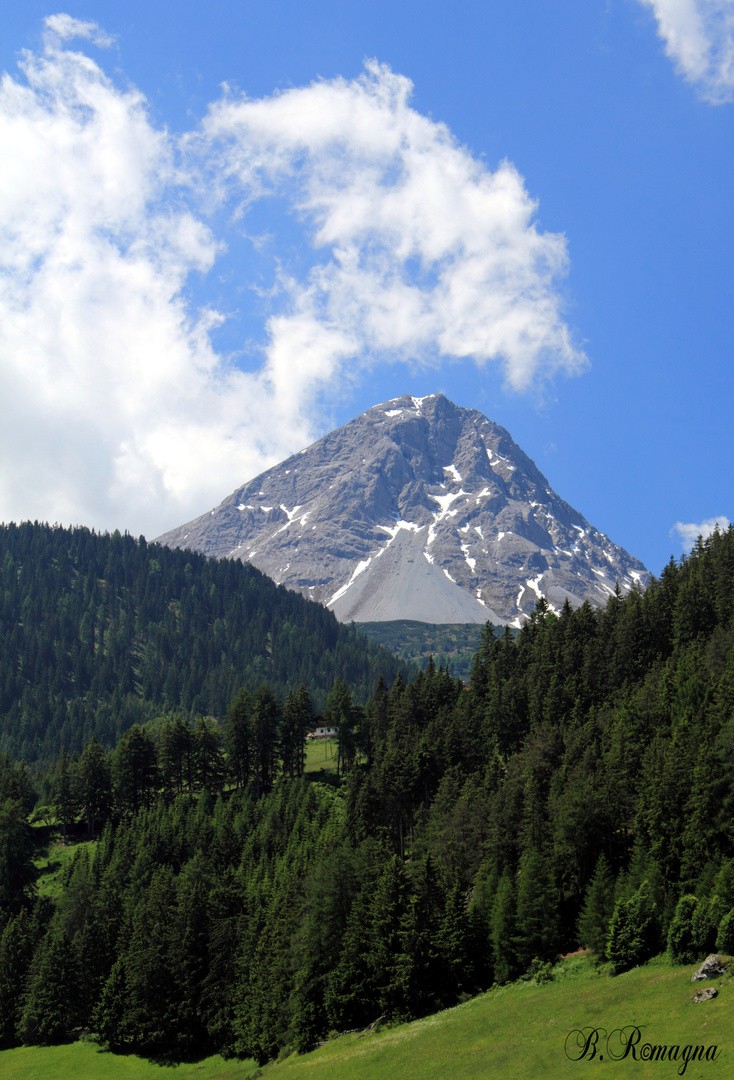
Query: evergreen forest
point(577, 791)
point(101, 632)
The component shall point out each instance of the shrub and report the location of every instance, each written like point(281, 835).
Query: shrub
point(634, 932)
point(680, 935)
point(725, 937)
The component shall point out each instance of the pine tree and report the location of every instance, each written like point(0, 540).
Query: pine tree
point(135, 772)
point(209, 765)
point(536, 913)
point(17, 871)
point(175, 757)
point(64, 803)
point(295, 725)
point(593, 924)
point(264, 726)
point(50, 1009)
point(93, 788)
point(680, 933)
point(238, 739)
point(339, 712)
point(16, 953)
point(634, 931)
point(502, 931)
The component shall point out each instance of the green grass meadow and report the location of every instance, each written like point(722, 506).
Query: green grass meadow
point(50, 865)
point(85, 1061)
point(321, 754)
point(517, 1032)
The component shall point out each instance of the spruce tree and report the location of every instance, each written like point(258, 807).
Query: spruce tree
point(93, 787)
point(50, 1009)
point(536, 913)
point(634, 930)
point(593, 924)
point(16, 953)
point(502, 931)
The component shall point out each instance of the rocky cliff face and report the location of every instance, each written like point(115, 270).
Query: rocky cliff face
point(417, 509)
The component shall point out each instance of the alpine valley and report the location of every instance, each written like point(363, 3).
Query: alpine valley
point(417, 509)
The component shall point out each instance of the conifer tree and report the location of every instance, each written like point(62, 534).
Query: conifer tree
point(634, 931)
point(296, 722)
point(93, 788)
point(209, 765)
point(238, 739)
point(264, 726)
point(16, 952)
point(17, 871)
point(65, 805)
point(593, 924)
point(680, 932)
point(135, 771)
point(50, 1006)
point(536, 918)
point(176, 757)
point(502, 930)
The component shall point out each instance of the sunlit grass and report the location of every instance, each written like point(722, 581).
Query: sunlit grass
point(321, 754)
point(516, 1031)
point(85, 1061)
point(50, 865)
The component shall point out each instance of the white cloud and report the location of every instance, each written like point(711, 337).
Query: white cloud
point(699, 38)
point(424, 252)
point(118, 410)
point(64, 28)
point(689, 533)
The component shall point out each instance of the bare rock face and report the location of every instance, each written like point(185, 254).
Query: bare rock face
point(713, 967)
point(417, 509)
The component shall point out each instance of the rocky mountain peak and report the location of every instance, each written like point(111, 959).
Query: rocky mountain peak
point(417, 509)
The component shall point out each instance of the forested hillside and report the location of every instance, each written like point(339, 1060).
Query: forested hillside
point(578, 792)
point(451, 645)
point(98, 632)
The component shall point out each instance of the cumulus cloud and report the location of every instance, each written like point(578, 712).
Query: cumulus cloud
point(424, 252)
point(119, 411)
point(699, 39)
point(689, 533)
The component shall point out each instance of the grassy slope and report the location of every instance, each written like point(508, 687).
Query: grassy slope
point(50, 865)
point(84, 1061)
point(321, 754)
point(517, 1031)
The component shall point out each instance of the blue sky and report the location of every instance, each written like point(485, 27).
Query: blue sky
point(527, 206)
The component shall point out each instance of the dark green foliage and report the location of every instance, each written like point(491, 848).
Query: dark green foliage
point(135, 772)
point(505, 961)
point(634, 930)
point(65, 804)
point(100, 632)
point(447, 644)
point(680, 934)
point(50, 1010)
point(340, 714)
point(16, 856)
point(296, 722)
point(725, 935)
point(573, 793)
point(16, 952)
point(537, 911)
point(593, 924)
point(93, 784)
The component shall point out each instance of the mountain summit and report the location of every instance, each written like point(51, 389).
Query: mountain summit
point(417, 509)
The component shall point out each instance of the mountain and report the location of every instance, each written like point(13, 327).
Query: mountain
point(417, 509)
